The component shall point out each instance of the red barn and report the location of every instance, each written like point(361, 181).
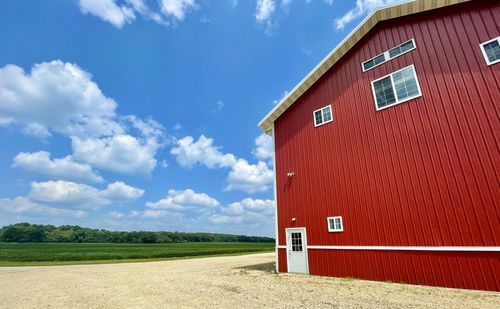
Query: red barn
point(387, 159)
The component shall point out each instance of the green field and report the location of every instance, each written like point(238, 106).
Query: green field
point(14, 254)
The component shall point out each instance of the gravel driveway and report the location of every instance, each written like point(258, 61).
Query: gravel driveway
point(226, 282)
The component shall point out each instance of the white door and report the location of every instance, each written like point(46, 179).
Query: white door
point(296, 244)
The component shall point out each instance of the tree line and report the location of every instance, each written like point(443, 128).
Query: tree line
point(26, 232)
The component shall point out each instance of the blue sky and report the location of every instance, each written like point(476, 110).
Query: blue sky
point(142, 114)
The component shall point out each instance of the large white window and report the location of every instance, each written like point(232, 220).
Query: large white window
point(396, 88)
point(323, 115)
point(388, 55)
point(335, 224)
point(491, 51)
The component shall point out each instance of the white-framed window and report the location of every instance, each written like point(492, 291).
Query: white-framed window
point(335, 224)
point(396, 88)
point(491, 51)
point(389, 55)
point(323, 115)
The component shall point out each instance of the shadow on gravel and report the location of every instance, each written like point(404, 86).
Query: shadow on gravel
point(266, 267)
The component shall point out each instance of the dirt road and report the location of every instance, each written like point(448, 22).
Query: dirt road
point(223, 282)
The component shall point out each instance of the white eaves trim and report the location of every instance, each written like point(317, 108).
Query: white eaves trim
point(383, 13)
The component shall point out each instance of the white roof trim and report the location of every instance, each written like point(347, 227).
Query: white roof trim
point(392, 11)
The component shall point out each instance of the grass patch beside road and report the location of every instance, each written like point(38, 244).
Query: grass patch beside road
point(31, 254)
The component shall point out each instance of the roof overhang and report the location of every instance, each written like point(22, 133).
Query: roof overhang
point(384, 13)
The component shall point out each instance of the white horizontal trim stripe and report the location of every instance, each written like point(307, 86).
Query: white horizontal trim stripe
point(407, 248)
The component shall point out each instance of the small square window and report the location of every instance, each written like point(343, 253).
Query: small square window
point(491, 51)
point(395, 88)
point(335, 224)
point(323, 115)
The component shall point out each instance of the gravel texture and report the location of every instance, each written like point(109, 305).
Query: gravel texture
point(246, 281)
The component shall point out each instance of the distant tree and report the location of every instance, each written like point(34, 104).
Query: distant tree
point(25, 232)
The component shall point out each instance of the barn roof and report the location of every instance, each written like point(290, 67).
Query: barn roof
point(381, 14)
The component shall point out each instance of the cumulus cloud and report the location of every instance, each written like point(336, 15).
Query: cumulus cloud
point(183, 200)
point(36, 130)
point(108, 11)
point(59, 192)
point(122, 153)
point(187, 210)
point(64, 168)
point(246, 211)
point(152, 214)
point(23, 205)
point(250, 178)
point(61, 97)
point(141, 7)
point(264, 148)
point(116, 215)
point(264, 9)
point(119, 191)
point(56, 96)
point(242, 176)
point(177, 8)
point(119, 13)
point(362, 7)
point(189, 153)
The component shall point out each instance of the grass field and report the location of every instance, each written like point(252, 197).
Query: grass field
point(19, 254)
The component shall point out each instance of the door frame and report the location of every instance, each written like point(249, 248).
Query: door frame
point(304, 245)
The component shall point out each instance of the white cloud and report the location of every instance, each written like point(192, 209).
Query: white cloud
point(64, 168)
point(141, 7)
point(157, 214)
point(58, 192)
point(248, 211)
point(152, 213)
point(167, 12)
point(36, 130)
point(189, 153)
point(264, 10)
point(188, 210)
point(119, 191)
point(182, 200)
point(243, 175)
point(363, 7)
point(122, 153)
point(264, 149)
point(116, 215)
point(6, 121)
point(22, 205)
point(250, 178)
point(262, 206)
point(65, 192)
point(108, 11)
point(223, 219)
point(61, 97)
point(56, 96)
point(176, 8)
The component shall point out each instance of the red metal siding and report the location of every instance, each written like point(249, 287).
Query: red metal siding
point(422, 173)
point(472, 270)
point(282, 261)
